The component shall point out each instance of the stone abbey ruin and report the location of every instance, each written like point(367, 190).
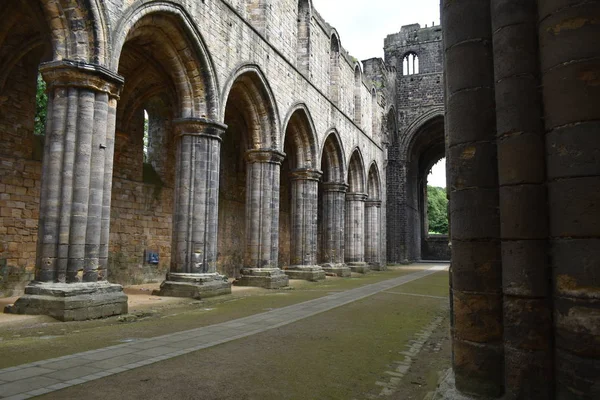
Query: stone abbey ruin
point(191, 141)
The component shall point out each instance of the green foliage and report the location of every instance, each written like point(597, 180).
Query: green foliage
point(41, 107)
point(437, 210)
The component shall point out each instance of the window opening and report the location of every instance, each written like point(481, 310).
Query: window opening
point(410, 64)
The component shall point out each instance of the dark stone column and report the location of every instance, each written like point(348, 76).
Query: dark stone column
point(478, 355)
point(355, 232)
point(569, 49)
point(334, 206)
point(73, 235)
point(195, 224)
point(523, 202)
point(262, 221)
point(305, 187)
point(372, 235)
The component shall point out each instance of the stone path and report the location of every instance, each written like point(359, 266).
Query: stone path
point(41, 377)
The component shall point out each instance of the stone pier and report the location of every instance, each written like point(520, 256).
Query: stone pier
point(334, 206)
point(193, 270)
point(355, 232)
point(72, 250)
point(305, 186)
point(373, 235)
point(262, 221)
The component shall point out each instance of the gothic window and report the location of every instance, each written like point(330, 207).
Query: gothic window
point(410, 65)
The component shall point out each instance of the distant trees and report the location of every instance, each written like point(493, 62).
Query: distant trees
point(437, 210)
point(41, 106)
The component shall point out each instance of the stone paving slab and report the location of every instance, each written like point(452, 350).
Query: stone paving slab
point(41, 377)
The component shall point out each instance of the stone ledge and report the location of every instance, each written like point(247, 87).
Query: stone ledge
point(340, 270)
point(377, 267)
point(268, 278)
point(359, 267)
point(71, 302)
point(312, 273)
point(196, 286)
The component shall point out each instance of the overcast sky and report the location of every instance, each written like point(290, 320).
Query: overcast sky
point(364, 24)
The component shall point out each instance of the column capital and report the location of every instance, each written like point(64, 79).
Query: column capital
point(199, 127)
point(270, 156)
point(355, 196)
point(373, 203)
point(67, 73)
point(306, 174)
point(335, 187)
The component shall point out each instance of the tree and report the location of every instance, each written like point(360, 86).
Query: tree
point(41, 107)
point(437, 210)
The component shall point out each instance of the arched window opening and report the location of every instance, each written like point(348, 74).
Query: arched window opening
point(437, 201)
point(41, 107)
point(304, 21)
point(334, 69)
point(410, 65)
point(357, 95)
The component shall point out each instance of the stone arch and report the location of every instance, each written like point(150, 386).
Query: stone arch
point(191, 72)
point(250, 90)
point(356, 172)
point(374, 183)
point(357, 94)
point(421, 124)
point(304, 35)
point(333, 163)
point(299, 128)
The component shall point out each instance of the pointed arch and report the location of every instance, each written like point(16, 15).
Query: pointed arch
point(333, 162)
point(334, 67)
point(299, 131)
point(304, 32)
point(374, 183)
point(170, 35)
point(356, 172)
point(249, 91)
point(357, 94)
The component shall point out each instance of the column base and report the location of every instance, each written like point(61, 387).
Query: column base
point(312, 273)
point(268, 278)
point(340, 270)
point(71, 301)
point(195, 286)
point(359, 267)
point(377, 267)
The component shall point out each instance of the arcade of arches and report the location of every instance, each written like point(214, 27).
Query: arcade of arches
point(193, 142)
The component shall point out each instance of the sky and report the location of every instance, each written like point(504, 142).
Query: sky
point(363, 25)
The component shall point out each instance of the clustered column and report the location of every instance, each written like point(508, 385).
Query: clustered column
point(334, 207)
point(262, 221)
point(355, 232)
point(73, 235)
point(372, 235)
point(305, 188)
point(195, 221)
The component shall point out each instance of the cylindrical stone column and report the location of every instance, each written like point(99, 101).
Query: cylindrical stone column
point(262, 221)
point(523, 201)
point(303, 246)
point(354, 248)
point(569, 49)
point(372, 235)
point(195, 220)
point(478, 356)
point(334, 207)
point(73, 234)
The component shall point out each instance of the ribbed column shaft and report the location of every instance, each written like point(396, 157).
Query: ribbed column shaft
point(334, 206)
point(372, 232)
point(523, 200)
point(569, 49)
point(476, 259)
point(355, 228)
point(262, 208)
point(195, 223)
point(305, 187)
point(77, 173)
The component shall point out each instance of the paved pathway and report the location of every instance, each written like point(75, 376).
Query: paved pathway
point(41, 377)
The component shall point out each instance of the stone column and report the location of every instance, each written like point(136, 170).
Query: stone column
point(303, 246)
point(355, 232)
point(334, 211)
point(262, 221)
point(372, 235)
point(73, 235)
point(478, 354)
point(195, 224)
